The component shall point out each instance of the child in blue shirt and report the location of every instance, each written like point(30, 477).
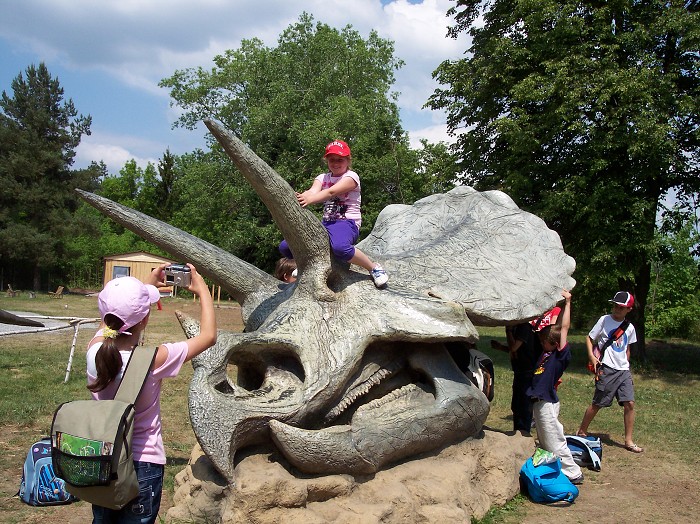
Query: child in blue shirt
point(551, 365)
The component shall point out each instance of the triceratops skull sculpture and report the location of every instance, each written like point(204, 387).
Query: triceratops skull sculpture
point(343, 377)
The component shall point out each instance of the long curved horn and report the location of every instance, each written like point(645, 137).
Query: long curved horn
point(306, 236)
point(237, 277)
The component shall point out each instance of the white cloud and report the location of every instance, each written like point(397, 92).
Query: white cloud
point(105, 148)
point(138, 43)
point(434, 134)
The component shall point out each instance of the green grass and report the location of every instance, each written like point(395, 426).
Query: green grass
point(667, 404)
point(33, 368)
point(511, 511)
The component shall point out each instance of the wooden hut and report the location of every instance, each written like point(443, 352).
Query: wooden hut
point(139, 265)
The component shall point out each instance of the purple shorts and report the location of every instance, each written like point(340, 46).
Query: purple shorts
point(342, 235)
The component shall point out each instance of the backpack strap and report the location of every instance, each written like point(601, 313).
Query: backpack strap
point(135, 375)
point(586, 444)
point(616, 333)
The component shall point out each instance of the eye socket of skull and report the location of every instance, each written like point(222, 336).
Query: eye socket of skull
point(249, 368)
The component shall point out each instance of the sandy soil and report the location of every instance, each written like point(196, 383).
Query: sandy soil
point(630, 488)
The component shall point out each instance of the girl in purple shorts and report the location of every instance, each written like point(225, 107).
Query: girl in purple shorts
point(339, 190)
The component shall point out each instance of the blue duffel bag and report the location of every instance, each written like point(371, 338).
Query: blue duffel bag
point(547, 482)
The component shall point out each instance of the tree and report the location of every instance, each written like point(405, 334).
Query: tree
point(287, 102)
point(39, 132)
point(82, 263)
point(674, 300)
point(586, 113)
point(439, 167)
point(217, 205)
point(165, 187)
point(96, 236)
point(143, 190)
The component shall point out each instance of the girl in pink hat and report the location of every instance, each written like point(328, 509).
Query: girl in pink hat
point(125, 306)
point(339, 190)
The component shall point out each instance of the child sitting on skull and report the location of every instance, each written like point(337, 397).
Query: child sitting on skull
point(339, 190)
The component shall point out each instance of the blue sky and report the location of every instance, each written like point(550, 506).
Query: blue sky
point(109, 56)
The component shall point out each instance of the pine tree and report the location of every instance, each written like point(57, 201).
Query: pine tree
point(39, 132)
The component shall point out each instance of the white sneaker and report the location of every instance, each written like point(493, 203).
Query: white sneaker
point(379, 276)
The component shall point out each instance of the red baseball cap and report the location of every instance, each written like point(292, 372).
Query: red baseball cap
point(337, 147)
point(623, 298)
point(546, 319)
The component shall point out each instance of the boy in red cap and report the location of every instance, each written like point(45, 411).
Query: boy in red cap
point(611, 336)
point(524, 349)
point(339, 190)
point(555, 358)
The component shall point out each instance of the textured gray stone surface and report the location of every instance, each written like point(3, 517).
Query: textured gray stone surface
point(340, 376)
point(445, 486)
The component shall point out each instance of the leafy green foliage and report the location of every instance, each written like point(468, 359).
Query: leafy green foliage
point(439, 168)
point(674, 301)
point(587, 115)
point(287, 102)
point(39, 132)
point(96, 236)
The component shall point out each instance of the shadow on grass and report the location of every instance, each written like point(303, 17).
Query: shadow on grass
point(671, 357)
point(177, 461)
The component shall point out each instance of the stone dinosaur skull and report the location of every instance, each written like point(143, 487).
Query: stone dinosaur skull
point(340, 376)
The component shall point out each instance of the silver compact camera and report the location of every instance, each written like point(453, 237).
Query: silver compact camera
point(178, 275)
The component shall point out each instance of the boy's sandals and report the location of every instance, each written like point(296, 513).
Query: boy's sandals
point(632, 447)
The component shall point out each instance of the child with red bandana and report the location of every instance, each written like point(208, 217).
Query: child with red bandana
point(551, 365)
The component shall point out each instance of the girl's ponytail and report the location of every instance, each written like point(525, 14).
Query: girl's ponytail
point(108, 360)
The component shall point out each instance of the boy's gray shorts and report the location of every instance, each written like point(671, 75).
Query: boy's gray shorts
point(613, 383)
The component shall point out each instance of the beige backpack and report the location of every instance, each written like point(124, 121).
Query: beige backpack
point(91, 440)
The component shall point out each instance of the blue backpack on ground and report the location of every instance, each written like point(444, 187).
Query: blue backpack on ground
point(547, 483)
point(40, 486)
point(586, 451)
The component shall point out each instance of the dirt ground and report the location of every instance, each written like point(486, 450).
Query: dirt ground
point(631, 488)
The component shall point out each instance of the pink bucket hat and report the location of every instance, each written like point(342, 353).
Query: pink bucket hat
point(128, 299)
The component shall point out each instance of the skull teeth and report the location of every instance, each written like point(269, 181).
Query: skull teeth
point(362, 389)
point(401, 392)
